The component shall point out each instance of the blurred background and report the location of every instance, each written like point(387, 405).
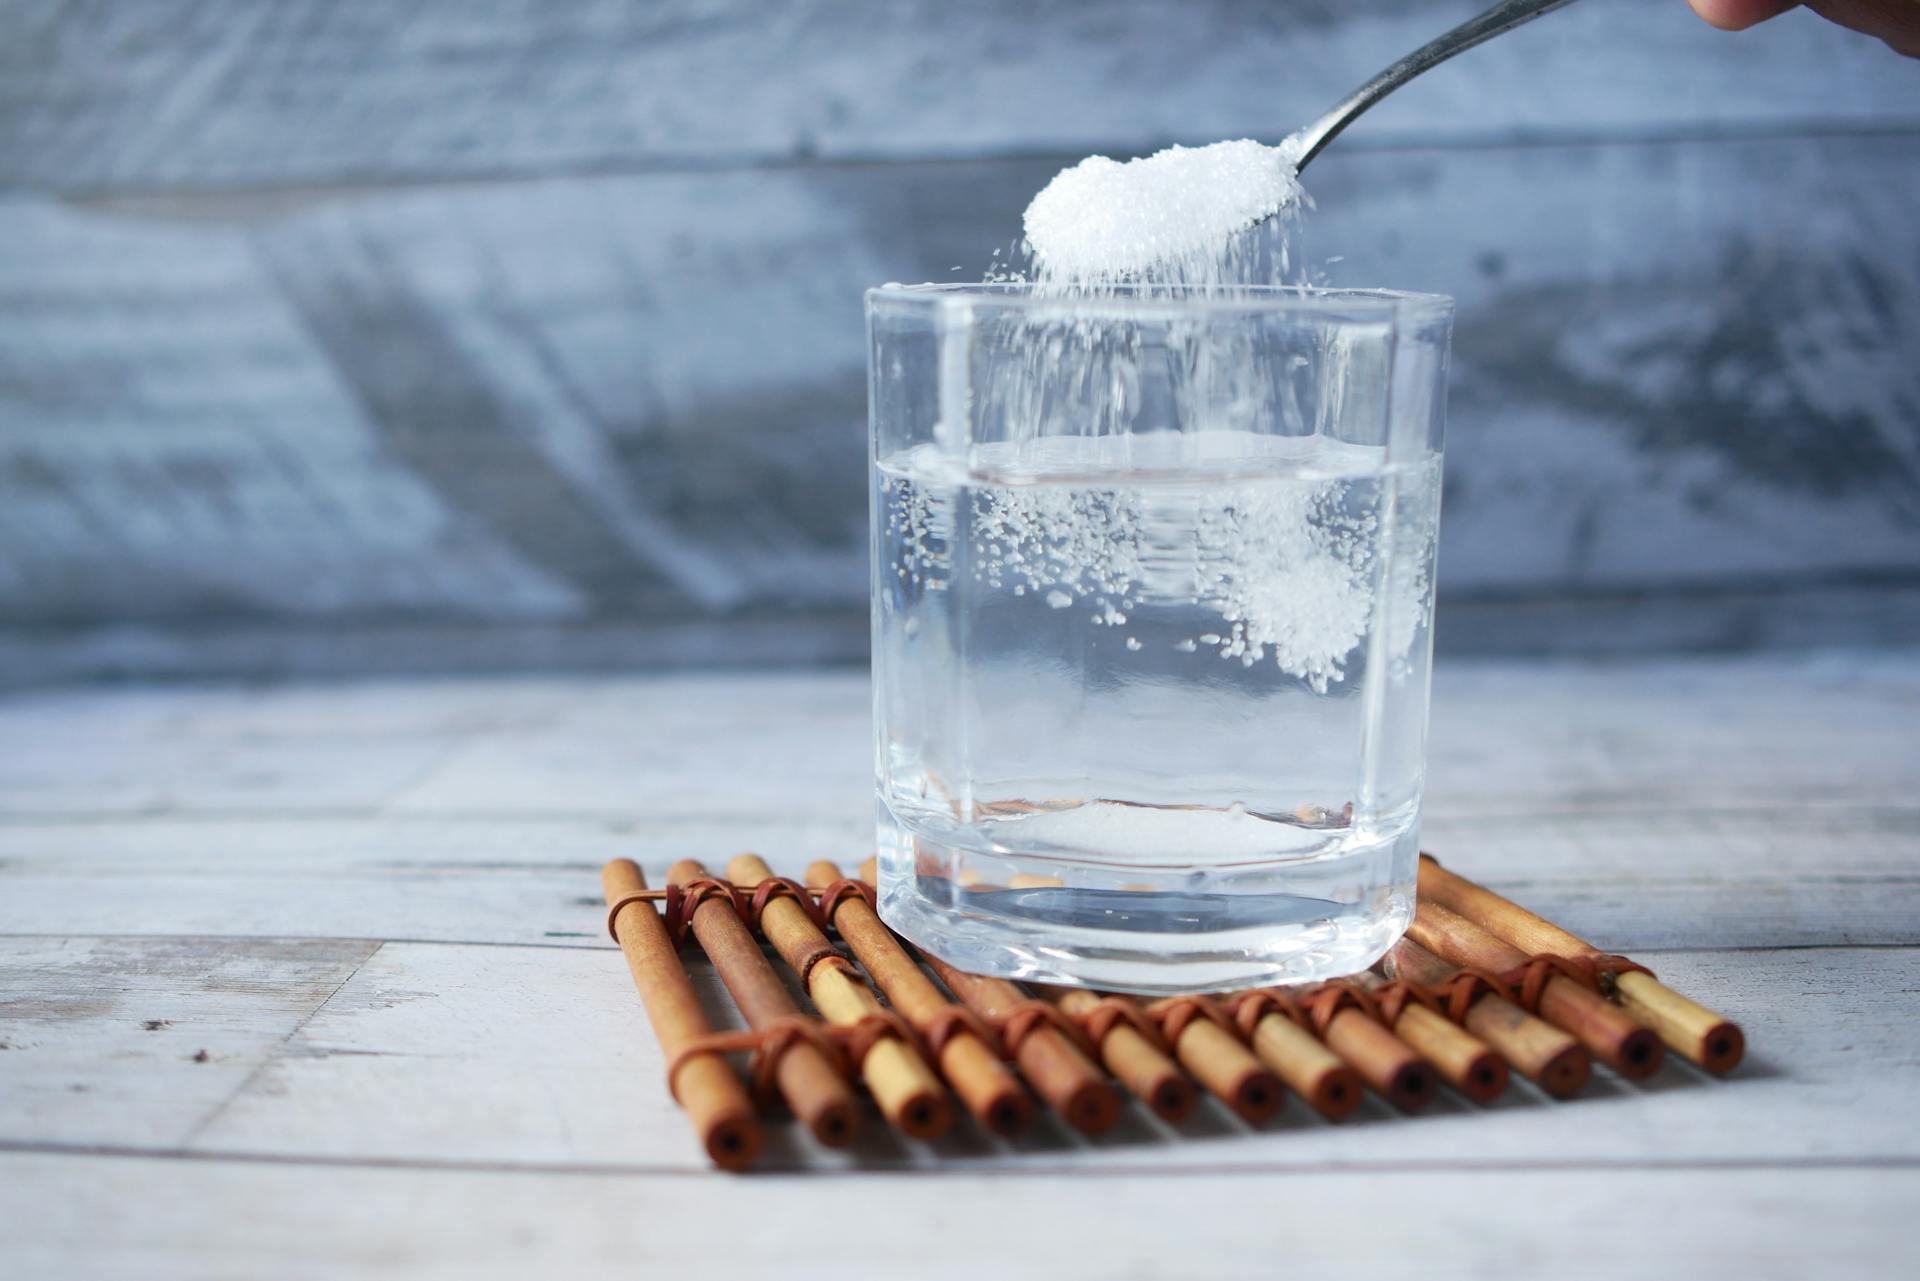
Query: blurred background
point(346, 336)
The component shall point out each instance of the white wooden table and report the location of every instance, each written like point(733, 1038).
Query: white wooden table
point(311, 981)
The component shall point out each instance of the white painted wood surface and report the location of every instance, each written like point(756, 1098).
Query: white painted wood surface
point(310, 981)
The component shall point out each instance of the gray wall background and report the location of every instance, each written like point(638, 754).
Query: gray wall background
point(354, 335)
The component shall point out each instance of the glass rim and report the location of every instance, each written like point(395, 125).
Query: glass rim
point(1171, 300)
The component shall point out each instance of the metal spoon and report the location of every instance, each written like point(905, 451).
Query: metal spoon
point(1305, 144)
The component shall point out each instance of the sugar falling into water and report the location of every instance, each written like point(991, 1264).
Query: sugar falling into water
point(1171, 217)
point(1283, 570)
point(1278, 554)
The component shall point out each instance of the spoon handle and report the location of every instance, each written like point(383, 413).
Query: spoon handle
point(1306, 144)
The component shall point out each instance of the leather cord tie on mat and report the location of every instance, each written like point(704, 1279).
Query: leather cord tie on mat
point(613, 911)
point(684, 900)
point(769, 1043)
point(782, 887)
point(844, 1047)
point(1325, 1002)
point(1391, 999)
point(873, 1028)
point(1595, 973)
point(1173, 1014)
point(953, 1020)
point(818, 952)
point(1527, 982)
point(1110, 1010)
point(781, 1035)
point(1250, 1007)
point(823, 953)
point(844, 888)
point(1463, 989)
point(713, 1043)
point(1023, 1019)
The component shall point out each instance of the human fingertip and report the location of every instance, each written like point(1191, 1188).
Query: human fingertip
point(1738, 15)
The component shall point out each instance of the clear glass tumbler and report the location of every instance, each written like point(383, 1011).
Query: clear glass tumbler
point(1152, 604)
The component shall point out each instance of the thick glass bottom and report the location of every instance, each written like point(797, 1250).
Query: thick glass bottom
point(1331, 904)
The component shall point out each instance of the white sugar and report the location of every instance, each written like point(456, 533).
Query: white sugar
point(1275, 562)
point(1171, 217)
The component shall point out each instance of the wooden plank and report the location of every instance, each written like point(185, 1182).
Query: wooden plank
point(646, 397)
point(141, 1042)
point(487, 880)
point(559, 1058)
point(166, 407)
point(1661, 880)
point(1704, 618)
point(1692, 618)
point(1765, 801)
point(177, 94)
point(169, 1219)
point(155, 750)
point(1662, 402)
point(620, 747)
point(1509, 738)
point(1686, 735)
point(541, 1055)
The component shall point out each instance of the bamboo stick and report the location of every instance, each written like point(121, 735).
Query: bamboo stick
point(1137, 1062)
point(1468, 1065)
point(1552, 1059)
point(1615, 1039)
point(975, 1072)
point(1218, 1060)
point(1393, 1068)
point(1308, 1068)
point(712, 1096)
point(1070, 1084)
point(910, 1096)
point(807, 1080)
point(1706, 1038)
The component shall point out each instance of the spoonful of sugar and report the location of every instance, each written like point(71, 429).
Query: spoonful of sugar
point(1171, 213)
point(1174, 213)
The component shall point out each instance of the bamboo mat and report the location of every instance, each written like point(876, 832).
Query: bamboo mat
point(1479, 990)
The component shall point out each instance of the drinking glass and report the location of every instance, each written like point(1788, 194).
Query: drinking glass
point(1152, 618)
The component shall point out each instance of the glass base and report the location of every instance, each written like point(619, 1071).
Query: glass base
point(1156, 930)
